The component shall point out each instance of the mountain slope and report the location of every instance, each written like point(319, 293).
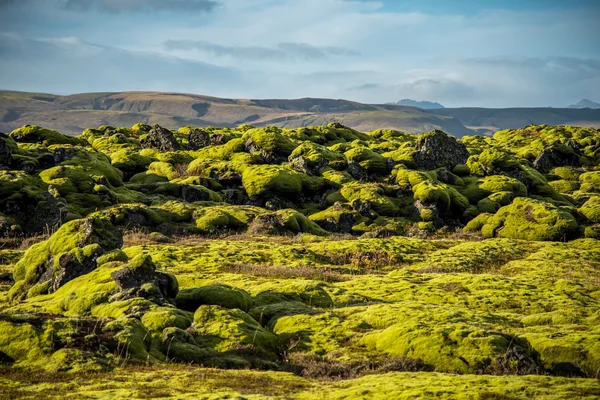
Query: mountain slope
point(486, 120)
point(72, 114)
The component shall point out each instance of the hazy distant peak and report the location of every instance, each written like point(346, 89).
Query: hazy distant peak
point(585, 103)
point(426, 105)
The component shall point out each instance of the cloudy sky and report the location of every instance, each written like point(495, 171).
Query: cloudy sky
point(489, 53)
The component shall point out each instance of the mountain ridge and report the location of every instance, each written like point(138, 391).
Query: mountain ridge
point(71, 114)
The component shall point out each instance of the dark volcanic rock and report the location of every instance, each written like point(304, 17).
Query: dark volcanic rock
point(557, 155)
point(436, 149)
point(70, 267)
point(268, 156)
point(304, 165)
point(63, 154)
point(357, 171)
point(5, 358)
point(267, 224)
point(198, 139)
point(140, 279)
point(34, 213)
point(161, 139)
point(191, 194)
point(5, 150)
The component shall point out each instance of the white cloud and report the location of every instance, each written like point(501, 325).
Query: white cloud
point(353, 49)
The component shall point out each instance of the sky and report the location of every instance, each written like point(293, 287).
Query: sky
point(461, 53)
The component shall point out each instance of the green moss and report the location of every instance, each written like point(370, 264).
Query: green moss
point(318, 155)
point(461, 348)
point(96, 233)
point(217, 295)
point(372, 194)
point(590, 181)
point(563, 186)
point(478, 222)
point(493, 159)
point(501, 183)
point(261, 180)
point(441, 195)
point(213, 219)
point(530, 219)
point(488, 206)
point(372, 162)
point(162, 318)
point(47, 137)
point(225, 330)
point(270, 140)
point(591, 209)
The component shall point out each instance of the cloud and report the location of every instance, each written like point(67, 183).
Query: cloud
point(118, 6)
point(71, 65)
point(426, 88)
point(519, 56)
point(280, 52)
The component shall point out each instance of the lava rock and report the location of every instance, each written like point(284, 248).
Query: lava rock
point(161, 139)
point(191, 194)
point(198, 139)
point(357, 171)
point(556, 156)
point(5, 150)
point(436, 149)
point(140, 279)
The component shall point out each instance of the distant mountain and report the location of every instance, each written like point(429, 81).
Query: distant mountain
point(490, 120)
point(72, 114)
point(585, 103)
point(425, 105)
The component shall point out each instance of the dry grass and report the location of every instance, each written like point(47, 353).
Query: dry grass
point(312, 367)
point(307, 272)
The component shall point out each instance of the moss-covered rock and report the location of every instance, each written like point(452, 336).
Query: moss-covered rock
point(530, 219)
point(435, 149)
point(269, 143)
point(591, 209)
point(229, 330)
point(217, 295)
point(47, 137)
point(72, 251)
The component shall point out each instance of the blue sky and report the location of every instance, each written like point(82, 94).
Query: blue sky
point(489, 53)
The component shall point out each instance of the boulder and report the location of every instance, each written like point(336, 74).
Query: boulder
point(140, 279)
point(557, 155)
point(69, 253)
point(198, 139)
point(530, 219)
point(435, 149)
point(6, 149)
point(161, 139)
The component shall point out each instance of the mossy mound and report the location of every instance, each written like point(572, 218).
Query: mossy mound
point(46, 137)
point(217, 295)
point(530, 219)
point(70, 252)
point(228, 331)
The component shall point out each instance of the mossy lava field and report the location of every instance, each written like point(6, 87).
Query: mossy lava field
point(310, 263)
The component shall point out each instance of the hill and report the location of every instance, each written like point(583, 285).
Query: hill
point(72, 114)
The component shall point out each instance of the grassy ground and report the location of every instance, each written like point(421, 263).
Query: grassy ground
point(185, 382)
